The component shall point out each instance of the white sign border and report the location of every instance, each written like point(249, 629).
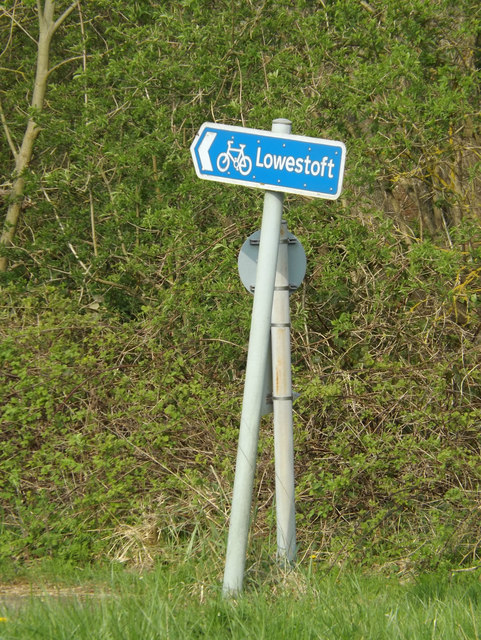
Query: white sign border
point(270, 134)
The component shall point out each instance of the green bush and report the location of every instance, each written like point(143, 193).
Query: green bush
point(124, 326)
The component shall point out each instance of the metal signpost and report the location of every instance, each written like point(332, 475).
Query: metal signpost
point(278, 394)
point(277, 162)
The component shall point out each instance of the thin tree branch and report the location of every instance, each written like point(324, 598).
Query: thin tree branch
point(20, 73)
point(10, 35)
point(15, 22)
point(92, 224)
point(69, 244)
point(84, 50)
point(47, 28)
point(10, 141)
point(63, 17)
point(60, 64)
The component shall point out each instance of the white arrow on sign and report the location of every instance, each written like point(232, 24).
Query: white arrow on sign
point(205, 145)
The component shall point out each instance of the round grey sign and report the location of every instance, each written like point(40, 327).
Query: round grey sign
point(247, 262)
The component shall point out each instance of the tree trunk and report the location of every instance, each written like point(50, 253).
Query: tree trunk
point(47, 28)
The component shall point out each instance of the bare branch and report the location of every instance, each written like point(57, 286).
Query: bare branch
point(69, 244)
point(14, 21)
point(60, 64)
point(367, 7)
point(92, 224)
point(10, 35)
point(61, 19)
point(84, 50)
point(10, 141)
point(47, 28)
point(20, 73)
point(46, 15)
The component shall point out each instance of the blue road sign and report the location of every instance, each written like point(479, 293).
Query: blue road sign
point(268, 160)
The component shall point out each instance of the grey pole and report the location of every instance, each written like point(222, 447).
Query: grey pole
point(282, 400)
point(259, 340)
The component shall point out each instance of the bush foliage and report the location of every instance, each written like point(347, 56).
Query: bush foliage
point(123, 322)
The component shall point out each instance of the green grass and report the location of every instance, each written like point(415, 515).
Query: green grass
point(185, 601)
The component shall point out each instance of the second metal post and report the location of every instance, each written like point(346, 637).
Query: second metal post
point(282, 400)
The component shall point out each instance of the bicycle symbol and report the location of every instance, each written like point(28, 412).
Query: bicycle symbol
point(241, 162)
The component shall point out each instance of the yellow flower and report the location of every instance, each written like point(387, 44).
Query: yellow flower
point(3, 619)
